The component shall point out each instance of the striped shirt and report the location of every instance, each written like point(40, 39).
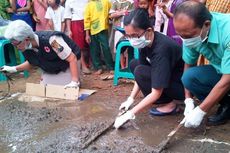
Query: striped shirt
point(222, 6)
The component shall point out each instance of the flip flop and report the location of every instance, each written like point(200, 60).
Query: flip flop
point(155, 112)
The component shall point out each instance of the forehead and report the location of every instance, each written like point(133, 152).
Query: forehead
point(184, 21)
point(129, 29)
point(184, 24)
point(143, 2)
point(14, 41)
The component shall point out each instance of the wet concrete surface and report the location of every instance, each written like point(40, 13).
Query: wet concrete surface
point(59, 126)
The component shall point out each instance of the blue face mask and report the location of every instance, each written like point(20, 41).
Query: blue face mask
point(195, 41)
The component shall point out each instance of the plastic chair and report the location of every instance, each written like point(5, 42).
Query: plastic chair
point(124, 73)
point(11, 58)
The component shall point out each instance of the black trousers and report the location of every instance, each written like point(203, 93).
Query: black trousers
point(142, 74)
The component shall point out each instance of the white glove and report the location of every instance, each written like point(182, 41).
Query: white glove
point(72, 84)
point(9, 69)
point(194, 118)
point(123, 119)
point(125, 105)
point(189, 106)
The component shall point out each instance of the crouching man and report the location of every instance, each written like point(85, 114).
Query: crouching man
point(208, 34)
point(54, 52)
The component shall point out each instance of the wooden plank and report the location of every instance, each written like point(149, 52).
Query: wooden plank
point(35, 89)
point(55, 91)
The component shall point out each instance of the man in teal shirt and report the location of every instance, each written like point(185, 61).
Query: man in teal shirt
point(208, 34)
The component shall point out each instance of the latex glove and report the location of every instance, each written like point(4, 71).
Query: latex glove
point(9, 69)
point(72, 84)
point(194, 118)
point(125, 105)
point(123, 119)
point(189, 106)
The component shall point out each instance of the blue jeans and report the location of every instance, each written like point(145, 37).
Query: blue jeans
point(200, 80)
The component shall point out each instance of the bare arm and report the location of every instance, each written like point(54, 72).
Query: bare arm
point(148, 100)
point(24, 66)
point(51, 25)
point(117, 14)
point(68, 27)
point(73, 66)
point(64, 52)
point(168, 13)
point(63, 27)
point(13, 5)
point(165, 10)
point(135, 90)
point(217, 93)
point(188, 94)
point(87, 37)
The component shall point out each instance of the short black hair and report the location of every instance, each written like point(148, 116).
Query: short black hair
point(139, 18)
point(57, 2)
point(195, 10)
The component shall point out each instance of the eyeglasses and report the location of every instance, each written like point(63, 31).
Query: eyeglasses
point(16, 44)
point(135, 35)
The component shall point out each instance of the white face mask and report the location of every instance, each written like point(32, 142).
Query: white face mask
point(139, 42)
point(29, 46)
point(195, 41)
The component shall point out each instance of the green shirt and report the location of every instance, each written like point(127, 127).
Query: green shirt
point(217, 48)
point(4, 4)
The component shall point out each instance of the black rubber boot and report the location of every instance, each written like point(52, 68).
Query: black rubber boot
point(222, 115)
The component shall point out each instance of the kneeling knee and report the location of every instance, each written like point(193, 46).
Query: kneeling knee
point(138, 72)
point(188, 78)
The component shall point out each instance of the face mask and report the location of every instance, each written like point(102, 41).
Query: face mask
point(139, 42)
point(29, 46)
point(195, 42)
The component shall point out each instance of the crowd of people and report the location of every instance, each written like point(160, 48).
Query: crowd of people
point(65, 38)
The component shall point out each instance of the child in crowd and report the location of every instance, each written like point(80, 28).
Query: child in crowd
point(96, 23)
point(74, 16)
point(169, 13)
point(39, 11)
point(63, 3)
point(147, 4)
point(21, 9)
point(161, 22)
point(55, 15)
point(117, 12)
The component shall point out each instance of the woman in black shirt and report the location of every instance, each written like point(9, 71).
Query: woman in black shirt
point(157, 72)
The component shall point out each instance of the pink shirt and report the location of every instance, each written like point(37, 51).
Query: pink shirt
point(40, 11)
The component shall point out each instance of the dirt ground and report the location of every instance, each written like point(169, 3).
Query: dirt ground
point(61, 126)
